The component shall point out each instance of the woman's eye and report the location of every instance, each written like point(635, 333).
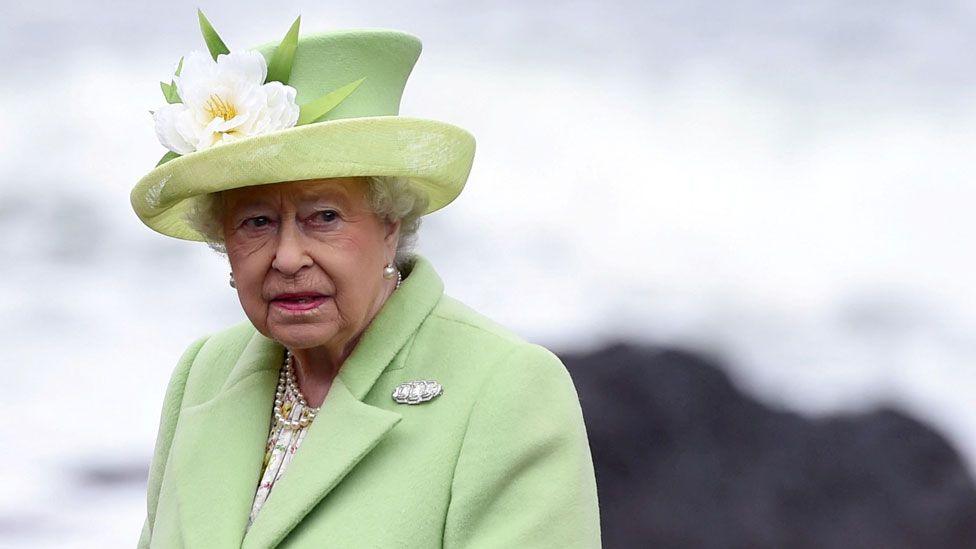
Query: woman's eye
point(326, 216)
point(255, 222)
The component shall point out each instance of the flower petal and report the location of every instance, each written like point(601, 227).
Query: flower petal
point(247, 66)
point(281, 104)
point(198, 74)
point(166, 119)
point(193, 131)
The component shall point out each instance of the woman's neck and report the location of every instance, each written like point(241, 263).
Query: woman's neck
point(316, 367)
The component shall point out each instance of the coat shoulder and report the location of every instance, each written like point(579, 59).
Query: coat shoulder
point(468, 324)
point(235, 335)
point(480, 343)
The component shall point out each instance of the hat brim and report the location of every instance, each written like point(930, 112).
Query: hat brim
point(435, 156)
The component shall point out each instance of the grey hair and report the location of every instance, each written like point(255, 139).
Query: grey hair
point(390, 198)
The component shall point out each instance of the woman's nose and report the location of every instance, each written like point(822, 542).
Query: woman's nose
point(291, 254)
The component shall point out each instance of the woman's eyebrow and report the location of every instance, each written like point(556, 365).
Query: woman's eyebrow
point(303, 198)
point(318, 190)
point(250, 204)
point(327, 196)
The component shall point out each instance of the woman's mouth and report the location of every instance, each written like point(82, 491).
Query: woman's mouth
point(299, 302)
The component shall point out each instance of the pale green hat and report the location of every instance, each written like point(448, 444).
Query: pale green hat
point(362, 135)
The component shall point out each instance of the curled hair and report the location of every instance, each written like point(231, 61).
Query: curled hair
point(390, 198)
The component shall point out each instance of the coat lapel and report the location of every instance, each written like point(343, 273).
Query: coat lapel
point(341, 435)
point(219, 454)
point(222, 451)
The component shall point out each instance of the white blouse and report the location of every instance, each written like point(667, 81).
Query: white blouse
point(282, 444)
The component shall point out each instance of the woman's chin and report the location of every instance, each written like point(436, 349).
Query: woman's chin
point(295, 339)
point(302, 335)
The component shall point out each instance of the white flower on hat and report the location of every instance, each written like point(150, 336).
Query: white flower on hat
point(223, 97)
point(223, 101)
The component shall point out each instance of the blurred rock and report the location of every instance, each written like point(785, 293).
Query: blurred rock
point(685, 459)
point(111, 475)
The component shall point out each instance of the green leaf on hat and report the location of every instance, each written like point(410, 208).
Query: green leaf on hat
point(169, 90)
point(284, 55)
point(214, 43)
point(317, 108)
point(170, 93)
point(167, 157)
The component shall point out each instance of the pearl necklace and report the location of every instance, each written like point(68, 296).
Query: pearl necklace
point(288, 386)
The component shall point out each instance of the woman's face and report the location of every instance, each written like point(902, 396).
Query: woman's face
point(308, 259)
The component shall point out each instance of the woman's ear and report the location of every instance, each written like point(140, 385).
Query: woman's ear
point(392, 236)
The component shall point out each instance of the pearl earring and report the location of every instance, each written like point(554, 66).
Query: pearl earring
point(233, 284)
point(389, 271)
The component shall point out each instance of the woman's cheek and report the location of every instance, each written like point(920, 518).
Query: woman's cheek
point(249, 245)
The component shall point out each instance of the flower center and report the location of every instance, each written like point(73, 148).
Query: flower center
point(218, 107)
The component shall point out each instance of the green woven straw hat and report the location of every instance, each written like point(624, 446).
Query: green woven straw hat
point(346, 94)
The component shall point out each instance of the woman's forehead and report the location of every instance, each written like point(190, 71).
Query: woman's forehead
point(349, 190)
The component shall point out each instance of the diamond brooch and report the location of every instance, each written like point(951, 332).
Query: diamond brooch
point(417, 391)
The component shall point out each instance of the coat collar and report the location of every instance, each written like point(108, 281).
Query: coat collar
point(219, 454)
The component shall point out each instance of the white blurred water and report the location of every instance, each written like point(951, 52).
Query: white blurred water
point(786, 185)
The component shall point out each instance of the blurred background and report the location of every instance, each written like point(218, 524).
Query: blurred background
point(747, 210)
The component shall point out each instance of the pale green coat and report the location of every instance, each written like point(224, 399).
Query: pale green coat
point(499, 460)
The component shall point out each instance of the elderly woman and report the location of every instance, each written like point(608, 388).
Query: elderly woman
point(358, 405)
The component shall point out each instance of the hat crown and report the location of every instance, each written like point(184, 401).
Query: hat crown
point(327, 61)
